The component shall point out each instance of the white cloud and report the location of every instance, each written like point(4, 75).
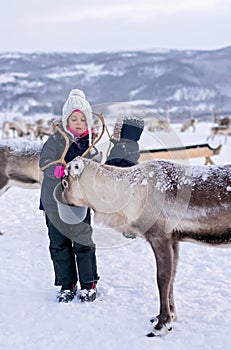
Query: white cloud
point(106, 25)
point(140, 11)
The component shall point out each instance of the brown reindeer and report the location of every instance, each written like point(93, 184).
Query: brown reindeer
point(18, 128)
point(21, 128)
point(43, 130)
point(223, 121)
point(161, 201)
point(19, 165)
point(189, 124)
point(219, 130)
point(155, 124)
point(44, 127)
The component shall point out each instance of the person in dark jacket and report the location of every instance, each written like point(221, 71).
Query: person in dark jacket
point(71, 246)
point(125, 152)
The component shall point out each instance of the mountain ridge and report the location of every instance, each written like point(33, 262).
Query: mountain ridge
point(177, 83)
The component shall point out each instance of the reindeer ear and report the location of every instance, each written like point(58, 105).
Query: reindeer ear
point(76, 167)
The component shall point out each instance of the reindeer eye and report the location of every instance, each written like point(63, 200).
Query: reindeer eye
point(76, 166)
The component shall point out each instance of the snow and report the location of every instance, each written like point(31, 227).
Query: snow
point(192, 93)
point(156, 71)
point(10, 77)
point(6, 78)
point(17, 146)
point(89, 70)
point(128, 295)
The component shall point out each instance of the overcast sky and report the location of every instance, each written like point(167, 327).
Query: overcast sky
point(105, 25)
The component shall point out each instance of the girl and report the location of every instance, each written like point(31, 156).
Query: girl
point(71, 246)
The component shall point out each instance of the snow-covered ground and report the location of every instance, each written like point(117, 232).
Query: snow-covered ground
point(30, 318)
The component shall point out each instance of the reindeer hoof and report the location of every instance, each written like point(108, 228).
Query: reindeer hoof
point(160, 332)
point(150, 335)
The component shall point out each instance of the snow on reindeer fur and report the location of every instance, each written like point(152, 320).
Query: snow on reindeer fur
point(20, 147)
point(166, 176)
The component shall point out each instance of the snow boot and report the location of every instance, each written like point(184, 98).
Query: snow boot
point(65, 295)
point(88, 294)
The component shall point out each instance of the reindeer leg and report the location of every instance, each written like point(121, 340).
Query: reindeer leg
point(3, 187)
point(164, 254)
point(171, 294)
point(4, 179)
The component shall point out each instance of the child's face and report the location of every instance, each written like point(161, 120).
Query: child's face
point(77, 121)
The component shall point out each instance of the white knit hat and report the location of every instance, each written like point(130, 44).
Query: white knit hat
point(77, 100)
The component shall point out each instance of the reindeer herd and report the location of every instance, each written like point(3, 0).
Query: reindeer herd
point(221, 126)
point(41, 128)
point(20, 128)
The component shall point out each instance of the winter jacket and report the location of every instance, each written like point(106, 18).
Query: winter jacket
point(125, 152)
point(51, 151)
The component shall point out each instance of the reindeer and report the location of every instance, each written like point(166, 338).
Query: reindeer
point(164, 203)
point(18, 128)
point(223, 121)
point(190, 123)
point(219, 130)
point(45, 127)
point(42, 121)
point(19, 165)
point(43, 130)
point(155, 124)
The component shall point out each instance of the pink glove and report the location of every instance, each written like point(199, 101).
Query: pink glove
point(59, 171)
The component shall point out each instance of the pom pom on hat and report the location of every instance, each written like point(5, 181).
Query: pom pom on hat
point(77, 101)
point(77, 92)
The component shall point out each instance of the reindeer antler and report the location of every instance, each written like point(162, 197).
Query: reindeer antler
point(101, 118)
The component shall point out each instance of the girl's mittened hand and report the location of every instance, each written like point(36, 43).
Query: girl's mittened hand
point(59, 171)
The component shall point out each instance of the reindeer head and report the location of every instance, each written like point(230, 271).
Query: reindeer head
point(70, 181)
point(73, 170)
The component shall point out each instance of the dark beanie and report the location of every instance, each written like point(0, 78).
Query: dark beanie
point(132, 128)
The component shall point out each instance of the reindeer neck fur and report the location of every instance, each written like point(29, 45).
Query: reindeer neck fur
point(108, 190)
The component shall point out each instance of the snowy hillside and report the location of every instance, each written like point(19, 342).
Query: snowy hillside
point(175, 80)
point(128, 296)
